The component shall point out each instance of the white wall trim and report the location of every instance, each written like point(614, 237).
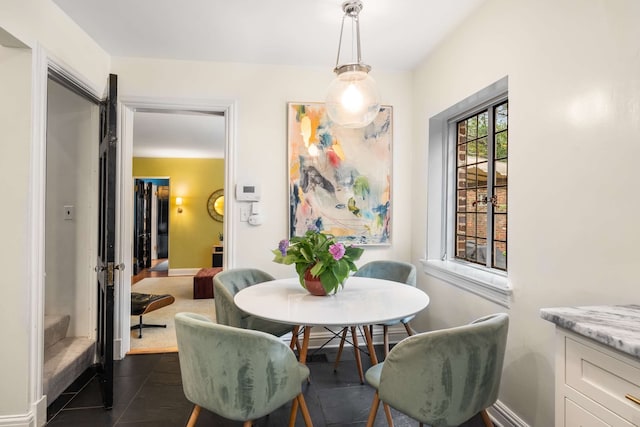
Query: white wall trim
point(183, 271)
point(128, 105)
point(41, 61)
point(490, 284)
point(502, 416)
point(35, 262)
point(25, 420)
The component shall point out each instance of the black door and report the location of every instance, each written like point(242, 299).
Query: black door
point(106, 240)
point(148, 193)
point(138, 226)
point(142, 225)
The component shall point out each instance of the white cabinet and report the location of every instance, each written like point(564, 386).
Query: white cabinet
point(575, 415)
point(595, 385)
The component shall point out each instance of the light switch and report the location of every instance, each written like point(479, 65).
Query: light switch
point(68, 213)
point(245, 211)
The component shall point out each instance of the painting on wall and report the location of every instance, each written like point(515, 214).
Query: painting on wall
point(339, 178)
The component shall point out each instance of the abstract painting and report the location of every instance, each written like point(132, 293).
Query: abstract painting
point(339, 178)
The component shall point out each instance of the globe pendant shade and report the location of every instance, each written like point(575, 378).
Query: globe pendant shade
point(352, 99)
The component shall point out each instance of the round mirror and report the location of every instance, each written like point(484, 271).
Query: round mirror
point(215, 205)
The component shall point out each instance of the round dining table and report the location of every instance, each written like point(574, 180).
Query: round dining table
point(362, 301)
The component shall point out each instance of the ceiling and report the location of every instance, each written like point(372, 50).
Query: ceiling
point(178, 134)
point(396, 35)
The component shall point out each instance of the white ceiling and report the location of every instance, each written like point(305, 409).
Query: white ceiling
point(395, 34)
point(178, 134)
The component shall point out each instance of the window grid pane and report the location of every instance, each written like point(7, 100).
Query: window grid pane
point(481, 187)
point(500, 165)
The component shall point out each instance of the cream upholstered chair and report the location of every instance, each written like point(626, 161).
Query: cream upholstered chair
point(443, 378)
point(395, 271)
point(237, 373)
point(227, 284)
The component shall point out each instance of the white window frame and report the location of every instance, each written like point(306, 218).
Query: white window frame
point(492, 284)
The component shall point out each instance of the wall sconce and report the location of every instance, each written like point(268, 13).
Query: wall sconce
point(179, 204)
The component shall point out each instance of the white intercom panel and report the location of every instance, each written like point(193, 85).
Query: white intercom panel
point(247, 192)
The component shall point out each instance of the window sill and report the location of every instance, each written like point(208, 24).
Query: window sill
point(492, 286)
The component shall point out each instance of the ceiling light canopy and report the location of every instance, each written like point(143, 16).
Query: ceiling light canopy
point(352, 98)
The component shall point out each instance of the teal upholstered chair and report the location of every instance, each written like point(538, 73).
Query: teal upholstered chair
point(395, 271)
point(227, 284)
point(237, 373)
point(445, 377)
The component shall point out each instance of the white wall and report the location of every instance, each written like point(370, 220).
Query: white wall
point(37, 24)
point(70, 254)
point(574, 104)
point(15, 69)
point(42, 23)
point(261, 93)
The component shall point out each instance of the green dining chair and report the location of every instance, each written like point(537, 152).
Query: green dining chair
point(227, 284)
point(239, 374)
point(395, 271)
point(443, 378)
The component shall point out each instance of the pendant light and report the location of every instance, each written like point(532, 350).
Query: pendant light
point(352, 98)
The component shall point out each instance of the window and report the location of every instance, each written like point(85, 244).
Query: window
point(467, 194)
point(481, 187)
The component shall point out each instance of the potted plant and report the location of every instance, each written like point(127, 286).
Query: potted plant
point(319, 256)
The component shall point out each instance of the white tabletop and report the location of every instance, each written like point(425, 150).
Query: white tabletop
point(362, 301)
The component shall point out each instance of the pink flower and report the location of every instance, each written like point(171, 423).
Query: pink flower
point(337, 250)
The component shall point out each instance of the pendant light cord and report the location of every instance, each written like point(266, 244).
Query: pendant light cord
point(351, 11)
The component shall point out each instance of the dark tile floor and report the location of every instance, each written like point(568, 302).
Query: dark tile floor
point(148, 392)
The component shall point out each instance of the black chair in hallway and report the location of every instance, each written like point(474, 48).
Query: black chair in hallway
point(142, 304)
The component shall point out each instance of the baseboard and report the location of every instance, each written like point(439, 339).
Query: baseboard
point(22, 420)
point(183, 271)
point(502, 416)
point(40, 409)
point(117, 349)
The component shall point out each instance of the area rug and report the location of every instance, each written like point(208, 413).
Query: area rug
point(181, 287)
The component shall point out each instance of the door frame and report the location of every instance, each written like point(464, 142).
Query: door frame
point(124, 221)
point(42, 60)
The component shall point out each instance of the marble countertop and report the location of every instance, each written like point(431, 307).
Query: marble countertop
point(617, 326)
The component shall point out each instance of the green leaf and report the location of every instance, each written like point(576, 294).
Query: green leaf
point(329, 282)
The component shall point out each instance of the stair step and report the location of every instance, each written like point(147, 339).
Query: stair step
point(65, 361)
point(55, 328)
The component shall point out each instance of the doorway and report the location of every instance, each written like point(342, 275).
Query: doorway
point(71, 221)
point(141, 156)
point(150, 225)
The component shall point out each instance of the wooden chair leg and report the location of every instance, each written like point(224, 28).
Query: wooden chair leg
point(486, 419)
point(409, 329)
point(385, 335)
point(342, 339)
point(304, 410)
point(194, 416)
point(356, 349)
point(294, 338)
point(372, 351)
point(294, 412)
point(387, 413)
point(374, 410)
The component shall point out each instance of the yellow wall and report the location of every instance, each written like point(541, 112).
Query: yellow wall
point(192, 232)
